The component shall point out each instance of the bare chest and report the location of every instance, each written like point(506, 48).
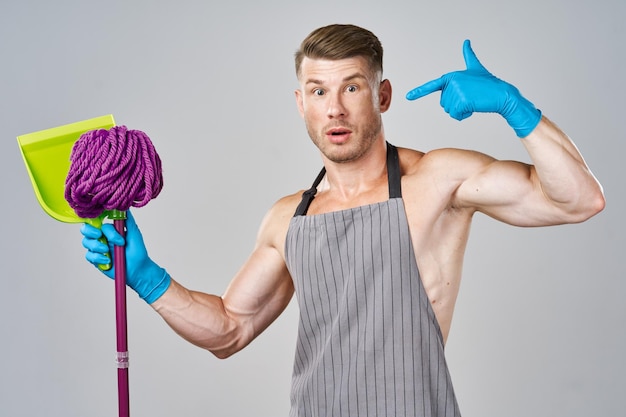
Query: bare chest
point(439, 235)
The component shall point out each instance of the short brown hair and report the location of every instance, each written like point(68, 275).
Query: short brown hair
point(336, 42)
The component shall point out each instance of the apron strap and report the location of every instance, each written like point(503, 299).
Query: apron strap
point(393, 172)
point(309, 194)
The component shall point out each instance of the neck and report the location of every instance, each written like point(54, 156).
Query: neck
point(348, 179)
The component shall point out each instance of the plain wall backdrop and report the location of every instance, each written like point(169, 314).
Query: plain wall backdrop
point(539, 325)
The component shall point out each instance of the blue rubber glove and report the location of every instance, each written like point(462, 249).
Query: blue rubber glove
point(477, 90)
point(144, 276)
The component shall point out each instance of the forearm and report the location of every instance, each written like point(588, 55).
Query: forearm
point(562, 173)
point(201, 319)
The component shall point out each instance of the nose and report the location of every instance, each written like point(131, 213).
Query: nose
point(336, 108)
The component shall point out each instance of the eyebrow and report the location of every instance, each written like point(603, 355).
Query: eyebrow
point(345, 79)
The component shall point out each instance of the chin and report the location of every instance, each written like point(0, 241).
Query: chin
point(343, 153)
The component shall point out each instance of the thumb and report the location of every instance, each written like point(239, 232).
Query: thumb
point(130, 221)
point(134, 238)
point(425, 89)
point(132, 229)
point(471, 61)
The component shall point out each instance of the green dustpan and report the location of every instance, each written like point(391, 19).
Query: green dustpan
point(47, 157)
point(46, 154)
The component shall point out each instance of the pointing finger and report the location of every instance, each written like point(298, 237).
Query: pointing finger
point(425, 89)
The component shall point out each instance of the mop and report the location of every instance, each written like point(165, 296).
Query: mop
point(110, 171)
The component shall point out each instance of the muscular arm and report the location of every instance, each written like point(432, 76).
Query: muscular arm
point(558, 188)
point(255, 297)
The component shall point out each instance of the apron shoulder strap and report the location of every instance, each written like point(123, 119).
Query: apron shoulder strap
point(393, 172)
point(309, 195)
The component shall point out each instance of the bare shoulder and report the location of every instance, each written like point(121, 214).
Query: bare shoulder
point(285, 207)
point(275, 224)
point(449, 161)
point(430, 180)
point(445, 169)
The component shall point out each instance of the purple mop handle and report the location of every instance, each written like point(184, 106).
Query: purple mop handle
point(120, 321)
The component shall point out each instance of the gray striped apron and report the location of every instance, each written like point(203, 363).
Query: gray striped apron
point(368, 340)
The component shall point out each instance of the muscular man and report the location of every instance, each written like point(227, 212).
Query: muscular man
point(374, 250)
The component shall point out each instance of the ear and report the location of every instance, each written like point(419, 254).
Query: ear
point(299, 103)
point(384, 95)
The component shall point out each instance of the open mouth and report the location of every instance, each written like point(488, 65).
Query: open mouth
point(338, 132)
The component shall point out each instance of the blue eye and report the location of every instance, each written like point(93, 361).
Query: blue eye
point(351, 88)
point(318, 92)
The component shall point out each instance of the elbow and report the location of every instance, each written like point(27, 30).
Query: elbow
point(589, 206)
point(222, 353)
point(598, 204)
point(229, 346)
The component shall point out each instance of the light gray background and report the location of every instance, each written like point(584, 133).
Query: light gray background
point(539, 326)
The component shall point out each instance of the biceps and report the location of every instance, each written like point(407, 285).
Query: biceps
point(508, 191)
point(260, 291)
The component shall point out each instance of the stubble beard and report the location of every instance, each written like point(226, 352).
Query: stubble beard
point(358, 145)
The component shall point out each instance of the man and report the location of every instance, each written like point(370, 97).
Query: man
point(374, 250)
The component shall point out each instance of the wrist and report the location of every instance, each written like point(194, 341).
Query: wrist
point(522, 115)
point(154, 282)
